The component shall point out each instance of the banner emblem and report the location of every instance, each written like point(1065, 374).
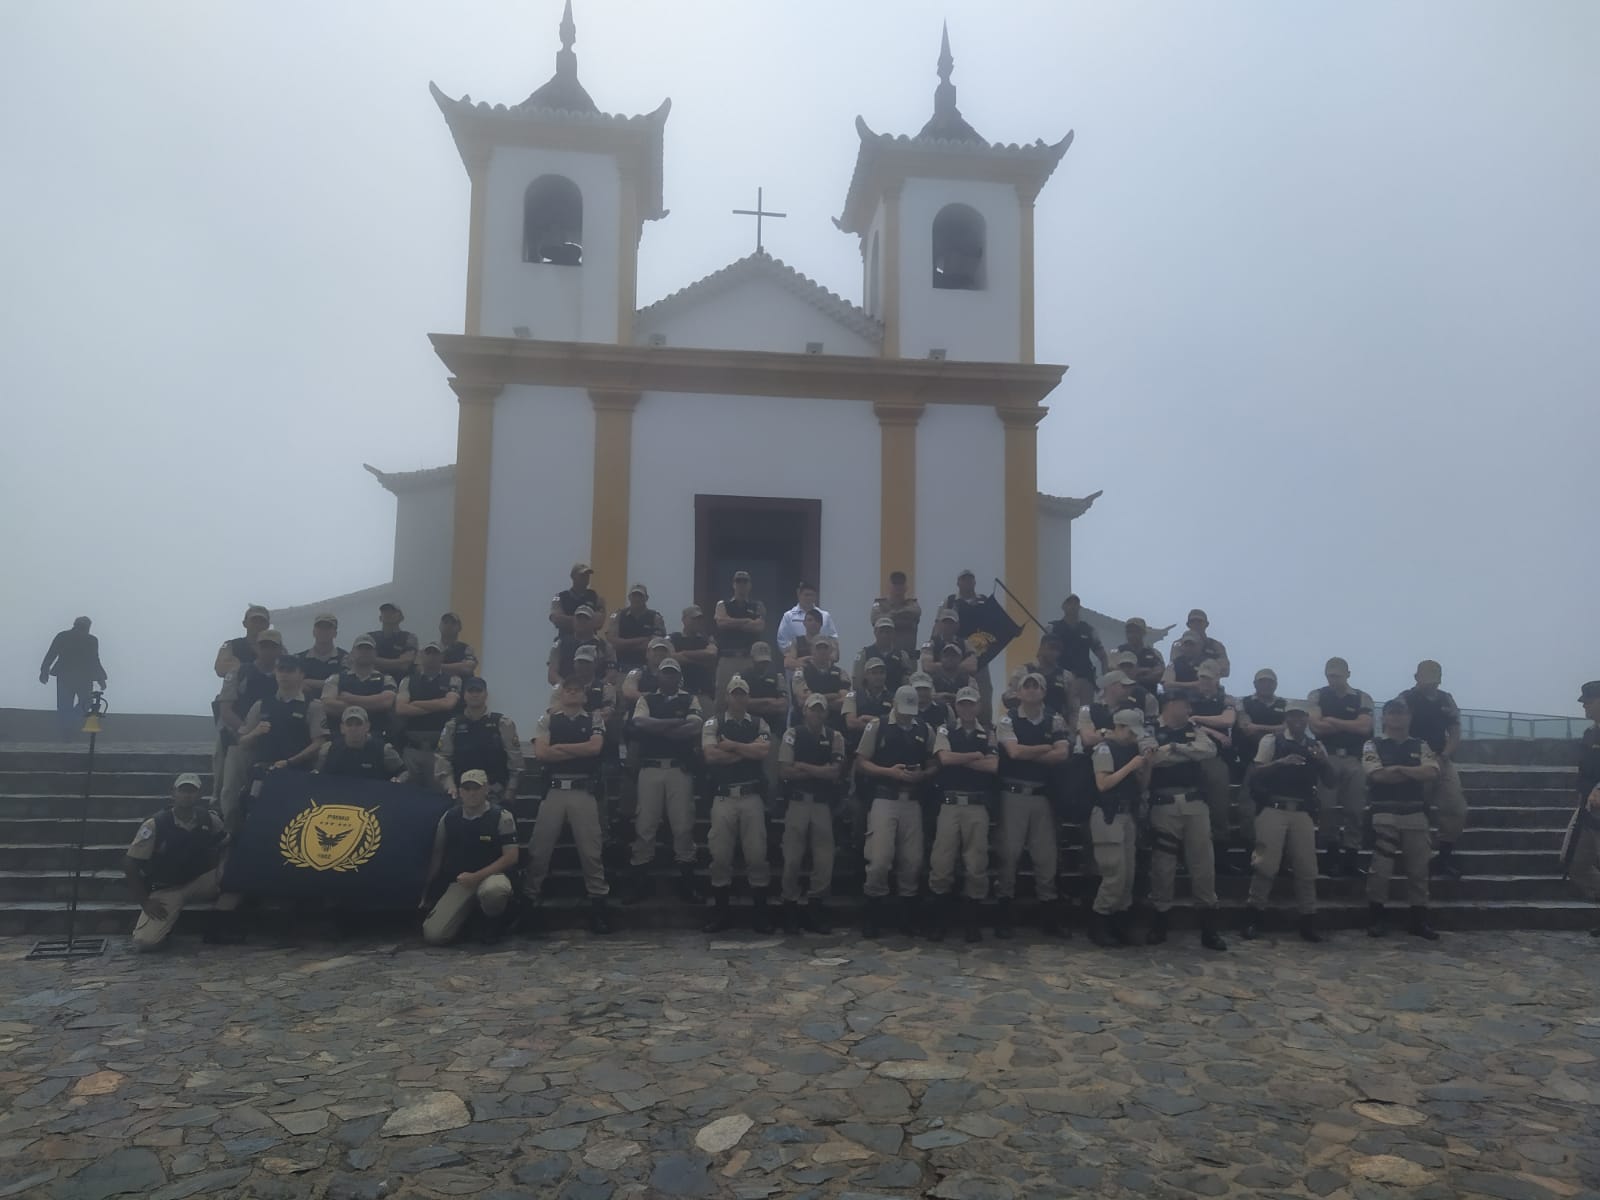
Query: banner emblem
point(331, 837)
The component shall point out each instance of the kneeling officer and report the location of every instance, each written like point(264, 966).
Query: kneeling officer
point(474, 850)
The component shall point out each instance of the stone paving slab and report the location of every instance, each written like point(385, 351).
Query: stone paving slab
point(664, 1067)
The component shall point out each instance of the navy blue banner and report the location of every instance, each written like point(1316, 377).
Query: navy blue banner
point(987, 627)
point(363, 841)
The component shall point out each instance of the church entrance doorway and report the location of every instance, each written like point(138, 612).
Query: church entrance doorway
point(778, 541)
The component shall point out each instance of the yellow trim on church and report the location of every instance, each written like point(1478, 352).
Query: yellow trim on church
point(613, 477)
point(1022, 521)
point(469, 547)
point(897, 503)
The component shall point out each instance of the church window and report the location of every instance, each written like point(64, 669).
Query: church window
point(552, 222)
point(958, 238)
point(872, 278)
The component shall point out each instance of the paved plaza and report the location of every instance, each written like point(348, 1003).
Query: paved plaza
point(671, 1065)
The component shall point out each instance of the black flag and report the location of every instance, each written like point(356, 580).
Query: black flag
point(362, 841)
point(987, 627)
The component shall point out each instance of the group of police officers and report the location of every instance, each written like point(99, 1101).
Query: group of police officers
point(1130, 749)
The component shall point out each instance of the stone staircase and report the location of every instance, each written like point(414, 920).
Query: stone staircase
point(1520, 796)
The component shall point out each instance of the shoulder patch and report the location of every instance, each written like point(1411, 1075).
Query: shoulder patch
point(146, 832)
point(788, 737)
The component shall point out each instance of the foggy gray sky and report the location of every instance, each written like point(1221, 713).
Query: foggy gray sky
point(1325, 274)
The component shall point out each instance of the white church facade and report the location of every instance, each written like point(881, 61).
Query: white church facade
point(657, 443)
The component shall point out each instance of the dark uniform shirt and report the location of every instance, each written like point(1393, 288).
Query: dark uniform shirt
point(1434, 716)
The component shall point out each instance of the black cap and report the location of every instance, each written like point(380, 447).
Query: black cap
point(474, 683)
point(1591, 691)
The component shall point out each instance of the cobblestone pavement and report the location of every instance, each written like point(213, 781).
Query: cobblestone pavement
point(673, 1066)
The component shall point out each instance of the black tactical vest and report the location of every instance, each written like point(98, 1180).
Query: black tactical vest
point(351, 686)
point(254, 685)
point(1124, 797)
point(455, 652)
point(576, 730)
point(1264, 712)
point(816, 750)
point(737, 642)
point(1077, 643)
point(362, 762)
point(1346, 708)
point(1055, 686)
point(572, 601)
point(895, 672)
point(567, 646)
point(1428, 720)
point(664, 707)
point(476, 746)
point(963, 778)
point(630, 625)
point(291, 728)
point(764, 684)
point(1405, 796)
point(1176, 776)
point(181, 855)
point(472, 843)
point(320, 670)
point(428, 687)
point(390, 645)
point(830, 683)
point(1296, 783)
point(1146, 658)
point(746, 770)
point(901, 746)
point(699, 678)
point(1207, 706)
point(1040, 732)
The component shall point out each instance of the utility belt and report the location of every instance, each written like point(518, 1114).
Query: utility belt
point(1023, 787)
point(737, 791)
point(423, 739)
point(962, 799)
point(1173, 795)
point(1381, 809)
point(889, 791)
point(570, 783)
point(811, 798)
point(1289, 804)
point(666, 764)
point(1342, 753)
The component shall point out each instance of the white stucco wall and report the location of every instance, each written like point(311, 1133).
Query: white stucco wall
point(755, 314)
point(678, 452)
point(1055, 560)
point(555, 303)
point(983, 325)
point(541, 500)
point(424, 522)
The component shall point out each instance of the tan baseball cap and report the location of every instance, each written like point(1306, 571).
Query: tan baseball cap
point(364, 639)
point(1129, 718)
point(920, 679)
point(669, 664)
point(906, 702)
point(270, 635)
point(481, 778)
point(816, 700)
point(1135, 623)
point(883, 623)
point(187, 779)
point(1114, 677)
point(966, 694)
point(639, 589)
point(873, 664)
point(1267, 673)
point(355, 715)
point(761, 652)
point(326, 618)
point(737, 684)
point(580, 568)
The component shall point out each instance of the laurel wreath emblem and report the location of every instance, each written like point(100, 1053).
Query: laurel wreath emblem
point(370, 839)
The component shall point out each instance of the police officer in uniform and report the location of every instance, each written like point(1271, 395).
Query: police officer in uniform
point(946, 631)
point(361, 682)
point(1289, 764)
point(457, 657)
point(1341, 717)
point(570, 743)
point(285, 731)
point(968, 764)
point(244, 687)
point(823, 677)
point(567, 601)
point(325, 658)
point(1180, 820)
point(1122, 760)
point(1399, 768)
point(666, 727)
point(1047, 665)
point(767, 698)
point(903, 609)
point(1214, 713)
point(1184, 668)
point(1144, 699)
point(1584, 869)
point(1079, 642)
point(895, 756)
point(359, 753)
point(632, 628)
point(739, 623)
point(1148, 665)
point(735, 747)
point(1034, 742)
point(1436, 720)
point(476, 739)
point(581, 632)
point(696, 652)
point(1199, 626)
point(1260, 713)
point(174, 860)
point(396, 647)
point(424, 703)
point(641, 681)
point(948, 677)
point(811, 760)
point(474, 854)
point(898, 666)
point(869, 702)
point(931, 710)
point(1096, 721)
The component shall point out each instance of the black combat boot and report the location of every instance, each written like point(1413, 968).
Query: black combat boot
point(939, 917)
point(1157, 933)
point(688, 887)
point(1209, 937)
point(599, 915)
point(1375, 919)
point(1307, 928)
point(792, 921)
point(905, 909)
point(1444, 863)
point(492, 930)
point(1253, 919)
point(1100, 931)
point(971, 920)
point(1002, 918)
point(721, 917)
point(814, 918)
point(1117, 923)
point(760, 914)
point(1052, 919)
point(1418, 925)
point(872, 917)
point(639, 886)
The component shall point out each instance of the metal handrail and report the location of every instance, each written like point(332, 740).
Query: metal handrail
point(1488, 724)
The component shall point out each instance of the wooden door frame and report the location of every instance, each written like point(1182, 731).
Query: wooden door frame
point(706, 507)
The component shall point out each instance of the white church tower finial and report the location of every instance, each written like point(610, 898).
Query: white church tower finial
point(945, 220)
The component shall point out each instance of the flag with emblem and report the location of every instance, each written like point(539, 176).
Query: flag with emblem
point(363, 841)
point(987, 628)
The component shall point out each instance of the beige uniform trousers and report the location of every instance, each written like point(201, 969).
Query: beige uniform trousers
point(1344, 802)
point(1447, 799)
point(578, 808)
point(669, 791)
point(739, 822)
point(1027, 822)
point(1281, 831)
point(444, 921)
point(961, 833)
point(1182, 824)
point(1115, 843)
point(149, 932)
point(807, 823)
point(894, 842)
point(1585, 870)
point(1405, 837)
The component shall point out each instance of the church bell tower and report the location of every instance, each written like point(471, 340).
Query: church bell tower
point(560, 195)
point(945, 220)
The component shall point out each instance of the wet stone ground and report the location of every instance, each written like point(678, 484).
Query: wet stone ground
point(670, 1065)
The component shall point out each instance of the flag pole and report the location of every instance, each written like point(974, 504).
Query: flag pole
point(1021, 605)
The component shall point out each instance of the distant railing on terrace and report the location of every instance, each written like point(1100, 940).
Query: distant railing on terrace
point(1484, 724)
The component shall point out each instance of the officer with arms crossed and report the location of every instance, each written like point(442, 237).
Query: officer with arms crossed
point(1289, 764)
point(735, 749)
point(570, 743)
point(895, 756)
point(898, 666)
point(1585, 833)
point(740, 622)
point(811, 761)
point(1078, 642)
point(1122, 760)
point(633, 627)
point(476, 739)
point(285, 731)
point(1148, 665)
point(474, 853)
point(459, 659)
point(903, 609)
point(565, 602)
point(1260, 713)
point(1181, 820)
point(397, 648)
point(358, 752)
point(696, 652)
point(1341, 717)
point(175, 860)
point(666, 727)
point(1399, 768)
point(424, 703)
point(361, 682)
point(968, 764)
point(324, 658)
point(1436, 720)
point(246, 686)
point(1034, 742)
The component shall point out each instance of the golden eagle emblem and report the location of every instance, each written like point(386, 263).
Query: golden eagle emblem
point(331, 837)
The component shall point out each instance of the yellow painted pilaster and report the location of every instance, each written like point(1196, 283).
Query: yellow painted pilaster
point(613, 469)
point(897, 505)
point(469, 547)
point(1022, 520)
